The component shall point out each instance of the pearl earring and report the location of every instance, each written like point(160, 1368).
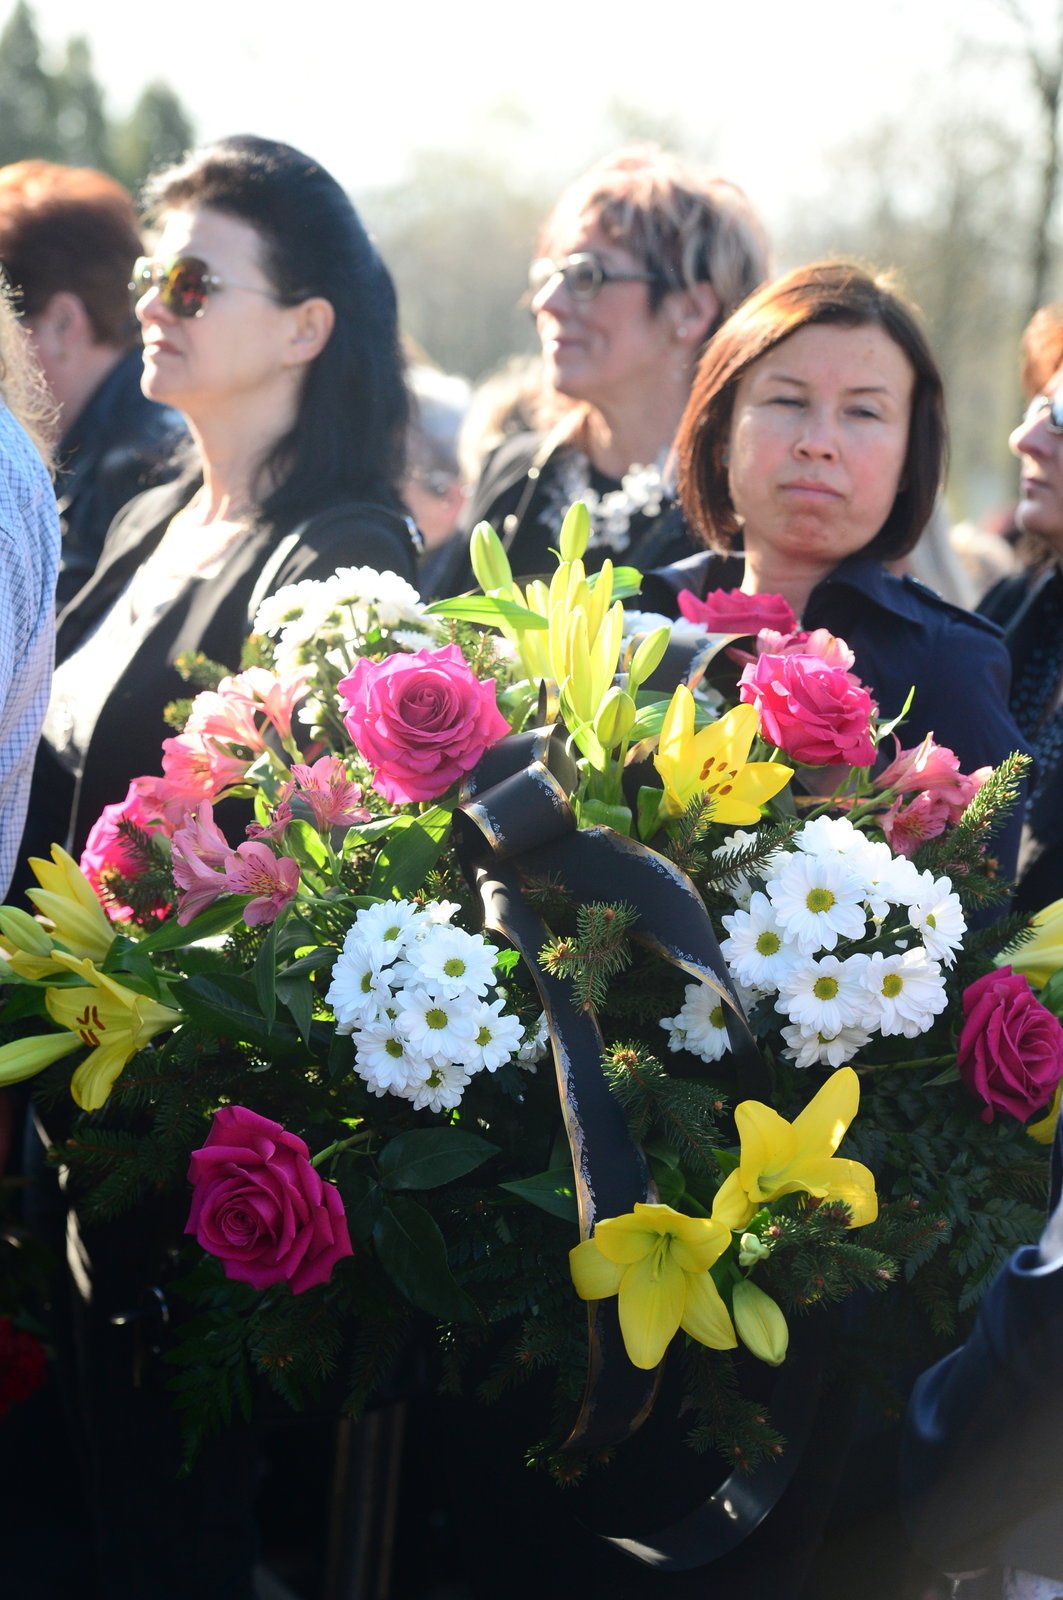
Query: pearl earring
point(682, 330)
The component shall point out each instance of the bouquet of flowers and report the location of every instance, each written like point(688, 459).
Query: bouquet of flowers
point(310, 977)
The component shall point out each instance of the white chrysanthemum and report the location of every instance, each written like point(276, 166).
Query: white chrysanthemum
point(383, 1059)
point(386, 928)
point(362, 590)
point(677, 1037)
point(535, 1044)
point(939, 917)
point(449, 961)
point(756, 951)
point(903, 993)
point(498, 1037)
point(817, 900)
point(701, 1020)
point(289, 604)
point(825, 836)
point(437, 1027)
point(438, 1086)
point(824, 995)
point(360, 991)
point(437, 911)
point(807, 1047)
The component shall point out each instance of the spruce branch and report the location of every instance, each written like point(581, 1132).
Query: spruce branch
point(598, 951)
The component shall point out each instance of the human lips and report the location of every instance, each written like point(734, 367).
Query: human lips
point(811, 488)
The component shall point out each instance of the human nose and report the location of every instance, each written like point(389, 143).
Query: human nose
point(551, 294)
point(150, 306)
point(1031, 437)
point(817, 438)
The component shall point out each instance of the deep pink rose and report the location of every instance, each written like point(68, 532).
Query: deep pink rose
point(108, 854)
point(422, 720)
point(261, 1208)
point(731, 611)
point(818, 714)
point(1010, 1052)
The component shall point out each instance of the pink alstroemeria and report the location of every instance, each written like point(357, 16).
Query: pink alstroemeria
point(253, 869)
point(328, 793)
point(196, 767)
point(931, 767)
point(108, 853)
point(200, 855)
point(227, 714)
point(276, 698)
point(282, 815)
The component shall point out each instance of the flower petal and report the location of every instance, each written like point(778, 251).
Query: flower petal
point(651, 1302)
point(820, 1128)
point(732, 1205)
point(631, 1237)
point(594, 1276)
point(705, 1317)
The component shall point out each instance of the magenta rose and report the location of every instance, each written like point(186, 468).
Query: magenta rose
point(724, 611)
point(108, 853)
point(422, 720)
point(1010, 1052)
point(261, 1208)
point(817, 713)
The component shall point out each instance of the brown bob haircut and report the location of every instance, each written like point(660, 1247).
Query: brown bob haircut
point(72, 229)
point(839, 294)
point(1041, 349)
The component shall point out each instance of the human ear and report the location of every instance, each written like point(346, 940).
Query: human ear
point(312, 323)
point(694, 311)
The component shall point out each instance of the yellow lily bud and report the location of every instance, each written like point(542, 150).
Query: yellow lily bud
point(23, 932)
point(68, 900)
point(575, 532)
point(600, 598)
point(759, 1323)
point(1038, 958)
point(580, 688)
point(490, 563)
point(1043, 1131)
point(647, 658)
point(24, 1058)
point(605, 653)
point(614, 718)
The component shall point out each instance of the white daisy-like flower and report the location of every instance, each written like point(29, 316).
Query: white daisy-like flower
point(677, 1037)
point(450, 961)
point(903, 993)
point(756, 951)
point(939, 917)
point(383, 1059)
point(438, 1027)
point(824, 996)
point(362, 589)
point(807, 1047)
point(387, 928)
point(437, 911)
point(289, 604)
point(886, 881)
point(702, 1021)
point(360, 991)
point(739, 886)
point(817, 900)
point(535, 1044)
point(438, 1086)
point(827, 836)
point(497, 1039)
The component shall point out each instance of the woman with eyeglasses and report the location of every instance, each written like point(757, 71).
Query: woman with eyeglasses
point(1029, 608)
point(640, 260)
point(269, 322)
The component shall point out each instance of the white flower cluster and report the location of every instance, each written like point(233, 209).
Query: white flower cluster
point(413, 990)
point(849, 938)
point(335, 615)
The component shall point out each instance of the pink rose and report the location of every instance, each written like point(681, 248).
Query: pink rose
point(108, 853)
point(818, 714)
point(422, 720)
point(261, 1208)
point(724, 611)
point(1010, 1051)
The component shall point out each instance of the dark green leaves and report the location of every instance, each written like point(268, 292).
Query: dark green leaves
point(413, 1253)
point(429, 1157)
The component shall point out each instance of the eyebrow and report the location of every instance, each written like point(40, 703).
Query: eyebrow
point(802, 383)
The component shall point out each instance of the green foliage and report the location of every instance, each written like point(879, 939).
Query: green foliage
point(598, 951)
point(722, 1418)
point(958, 853)
point(682, 1113)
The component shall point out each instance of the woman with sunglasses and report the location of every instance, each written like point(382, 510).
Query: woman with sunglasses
point(1029, 608)
point(638, 263)
point(269, 322)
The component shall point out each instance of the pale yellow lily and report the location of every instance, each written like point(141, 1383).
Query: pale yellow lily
point(779, 1157)
point(657, 1261)
point(68, 900)
point(760, 1323)
point(714, 762)
point(1044, 1129)
point(114, 1021)
point(1038, 958)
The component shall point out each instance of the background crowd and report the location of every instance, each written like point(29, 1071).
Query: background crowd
point(252, 414)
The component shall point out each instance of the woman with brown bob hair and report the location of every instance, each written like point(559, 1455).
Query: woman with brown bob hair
point(815, 438)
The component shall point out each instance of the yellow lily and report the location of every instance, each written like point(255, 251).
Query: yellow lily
point(68, 900)
point(115, 1021)
point(780, 1157)
point(714, 762)
point(760, 1323)
point(1044, 1129)
point(657, 1261)
point(1038, 958)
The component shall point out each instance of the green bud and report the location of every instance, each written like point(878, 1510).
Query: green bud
point(24, 932)
point(759, 1323)
point(489, 560)
point(647, 657)
point(614, 718)
point(751, 1249)
point(575, 532)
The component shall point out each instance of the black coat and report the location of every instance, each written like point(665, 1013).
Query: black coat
point(209, 615)
point(903, 635)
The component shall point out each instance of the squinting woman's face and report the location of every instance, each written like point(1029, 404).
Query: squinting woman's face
point(818, 441)
point(1040, 450)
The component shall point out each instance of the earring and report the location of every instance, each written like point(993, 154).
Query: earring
point(682, 330)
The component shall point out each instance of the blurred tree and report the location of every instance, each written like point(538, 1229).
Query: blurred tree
point(1042, 51)
point(84, 136)
point(157, 133)
point(28, 99)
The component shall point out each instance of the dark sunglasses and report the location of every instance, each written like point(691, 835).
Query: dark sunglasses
point(184, 284)
point(1048, 406)
point(584, 275)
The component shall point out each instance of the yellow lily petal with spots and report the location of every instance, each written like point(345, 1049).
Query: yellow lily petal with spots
point(115, 1022)
point(714, 762)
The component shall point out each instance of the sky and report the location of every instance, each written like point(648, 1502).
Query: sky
point(766, 89)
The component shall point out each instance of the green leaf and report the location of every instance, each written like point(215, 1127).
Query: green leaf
point(410, 854)
point(225, 1005)
point(648, 723)
point(296, 993)
point(884, 729)
point(306, 844)
point(488, 610)
point(626, 582)
point(1051, 995)
point(265, 975)
point(216, 919)
point(362, 1200)
point(428, 1157)
point(413, 1253)
point(649, 806)
point(599, 814)
point(671, 1184)
point(553, 1191)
